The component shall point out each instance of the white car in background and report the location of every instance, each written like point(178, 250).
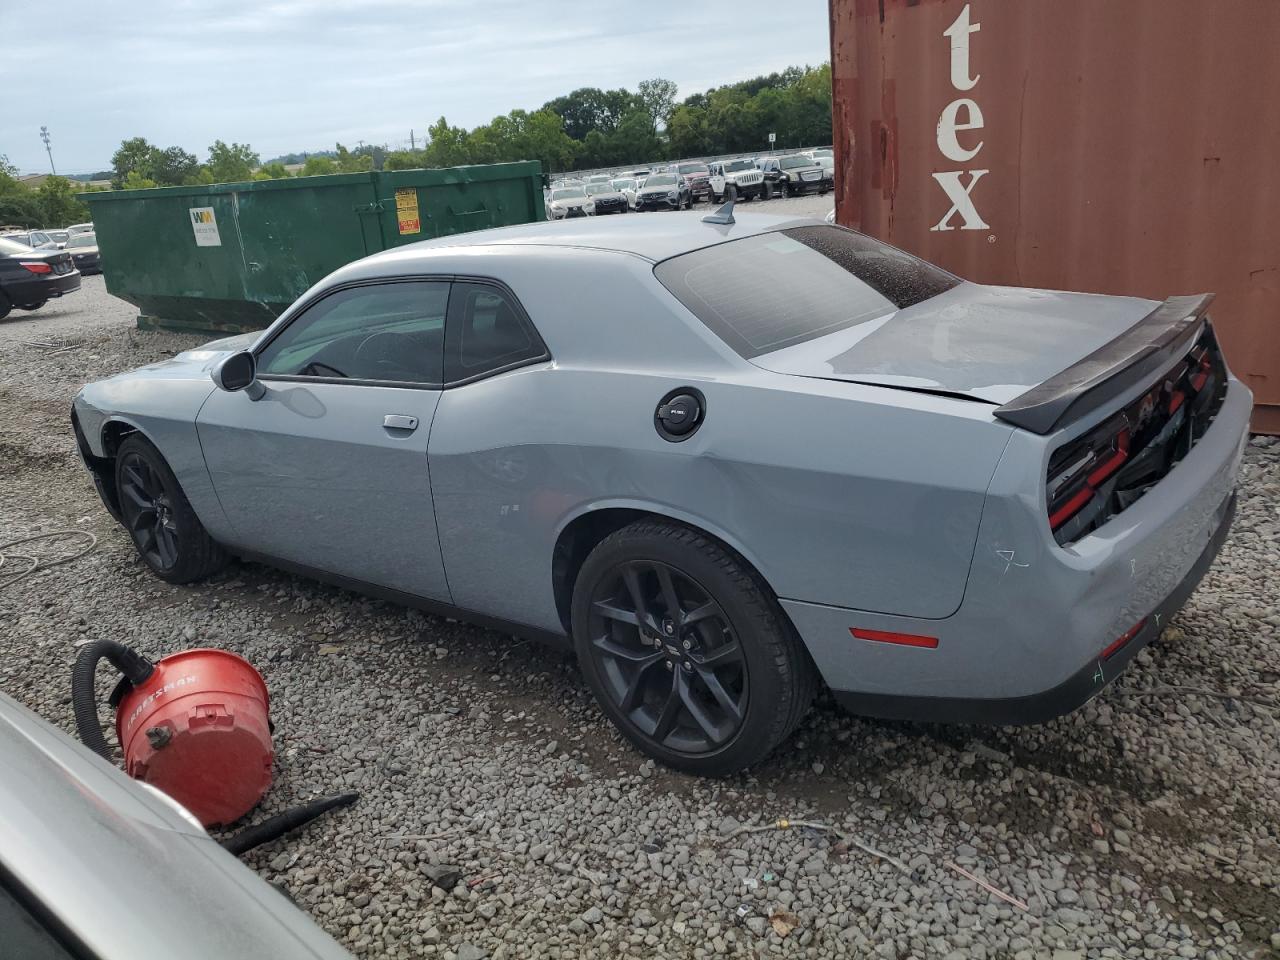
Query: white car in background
point(737, 179)
point(628, 187)
point(570, 202)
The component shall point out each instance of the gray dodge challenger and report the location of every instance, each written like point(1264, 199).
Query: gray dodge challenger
point(726, 458)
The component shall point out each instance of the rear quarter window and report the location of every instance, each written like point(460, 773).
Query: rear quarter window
point(775, 290)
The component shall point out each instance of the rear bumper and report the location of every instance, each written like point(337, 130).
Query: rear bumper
point(38, 289)
point(1077, 690)
point(1028, 639)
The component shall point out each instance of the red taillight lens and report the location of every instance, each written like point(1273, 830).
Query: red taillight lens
point(888, 636)
point(37, 266)
point(1070, 508)
point(1133, 631)
point(1091, 469)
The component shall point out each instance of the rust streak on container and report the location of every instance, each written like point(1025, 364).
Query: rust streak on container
point(1111, 147)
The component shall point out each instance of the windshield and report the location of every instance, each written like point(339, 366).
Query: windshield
point(10, 245)
point(661, 180)
point(624, 184)
point(568, 193)
point(598, 178)
point(59, 236)
point(790, 163)
point(693, 168)
point(83, 240)
point(734, 165)
point(775, 290)
point(596, 189)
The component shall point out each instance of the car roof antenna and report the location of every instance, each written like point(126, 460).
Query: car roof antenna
point(723, 215)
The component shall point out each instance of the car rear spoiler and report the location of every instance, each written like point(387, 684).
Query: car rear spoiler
point(1138, 354)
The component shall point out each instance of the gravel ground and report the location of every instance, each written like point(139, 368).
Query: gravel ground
point(1144, 825)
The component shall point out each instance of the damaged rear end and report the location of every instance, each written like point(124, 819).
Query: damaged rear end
point(1111, 501)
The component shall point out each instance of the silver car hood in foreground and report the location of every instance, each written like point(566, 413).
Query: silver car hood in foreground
point(986, 343)
point(122, 869)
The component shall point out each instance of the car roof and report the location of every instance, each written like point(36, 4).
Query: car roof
point(76, 825)
point(653, 236)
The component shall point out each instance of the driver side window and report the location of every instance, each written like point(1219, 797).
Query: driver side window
point(389, 332)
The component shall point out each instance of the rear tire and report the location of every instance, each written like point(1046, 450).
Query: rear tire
point(709, 689)
point(166, 532)
point(5, 306)
point(32, 306)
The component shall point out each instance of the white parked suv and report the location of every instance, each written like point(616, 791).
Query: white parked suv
point(742, 179)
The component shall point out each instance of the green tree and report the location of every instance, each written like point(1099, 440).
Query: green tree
point(8, 177)
point(317, 166)
point(591, 108)
point(58, 203)
point(21, 209)
point(658, 97)
point(136, 181)
point(272, 171)
point(347, 162)
point(447, 146)
point(134, 155)
point(173, 167)
point(405, 160)
point(230, 163)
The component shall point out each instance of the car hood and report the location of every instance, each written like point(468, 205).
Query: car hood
point(611, 195)
point(570, 201)
point(985, 343)
point(664, 189)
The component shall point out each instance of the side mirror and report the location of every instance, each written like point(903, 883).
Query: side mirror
point(239, 372)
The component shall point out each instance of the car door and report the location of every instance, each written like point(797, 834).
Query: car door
point(488, 486)
point(328, 469)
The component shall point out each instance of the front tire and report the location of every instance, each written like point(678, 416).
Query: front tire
point(686, 649)
point(166, 532)
point(5, 306)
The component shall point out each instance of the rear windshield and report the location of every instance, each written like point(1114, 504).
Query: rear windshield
point(11, 246)
point(775, 290)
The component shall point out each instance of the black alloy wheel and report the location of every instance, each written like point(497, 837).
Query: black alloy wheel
point(164, 528)
point(147, 512)
point(687, 650)
point(668, 657)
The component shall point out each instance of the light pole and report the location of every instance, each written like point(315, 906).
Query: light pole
point(44, 135)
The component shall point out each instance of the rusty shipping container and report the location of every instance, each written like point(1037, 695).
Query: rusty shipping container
point(1111, 146)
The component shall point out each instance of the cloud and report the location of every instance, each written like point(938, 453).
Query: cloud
point(300, 74)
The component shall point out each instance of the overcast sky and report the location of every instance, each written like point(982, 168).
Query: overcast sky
point(302, 74)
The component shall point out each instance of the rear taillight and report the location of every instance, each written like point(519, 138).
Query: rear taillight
point(1079, 469)
point(37, 266)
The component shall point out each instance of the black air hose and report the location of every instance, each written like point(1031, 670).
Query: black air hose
point(282, 823)
point(136, 669)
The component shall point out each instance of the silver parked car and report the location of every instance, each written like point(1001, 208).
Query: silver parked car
point(727, 458)
point(96, 865)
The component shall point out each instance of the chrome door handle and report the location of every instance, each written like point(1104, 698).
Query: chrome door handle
point(397, 421)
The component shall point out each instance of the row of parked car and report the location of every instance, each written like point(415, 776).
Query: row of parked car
point(37, 266)
point(680, 185)
point(78, 238)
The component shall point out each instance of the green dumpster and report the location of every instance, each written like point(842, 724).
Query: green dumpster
point(230, 257)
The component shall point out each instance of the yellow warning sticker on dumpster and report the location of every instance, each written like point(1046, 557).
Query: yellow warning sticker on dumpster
point(407, 210)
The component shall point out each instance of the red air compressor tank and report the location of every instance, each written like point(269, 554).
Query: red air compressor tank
point(198, 729)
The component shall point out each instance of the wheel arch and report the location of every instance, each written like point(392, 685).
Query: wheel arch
point(584, 529)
